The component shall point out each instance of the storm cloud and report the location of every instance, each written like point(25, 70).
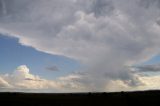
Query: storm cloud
point(104, 35)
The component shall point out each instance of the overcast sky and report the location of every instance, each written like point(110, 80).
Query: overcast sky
point(79, 45)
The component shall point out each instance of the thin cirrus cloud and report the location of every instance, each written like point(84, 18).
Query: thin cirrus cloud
point(105, 35)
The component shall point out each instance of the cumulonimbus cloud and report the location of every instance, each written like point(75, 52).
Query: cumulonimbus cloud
point(105, 35)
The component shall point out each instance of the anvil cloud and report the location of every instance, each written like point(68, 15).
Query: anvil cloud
point(104, 35)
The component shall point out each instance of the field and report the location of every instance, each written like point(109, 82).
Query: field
point(141, 98)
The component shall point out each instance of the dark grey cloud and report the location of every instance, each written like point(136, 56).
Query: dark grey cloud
point(14, 9)
point(158, 21)
point(30, 79)
point(146, 3)
point(148, 68)
point(2, 8)
point(149, 3)
point(102, 7)
point(53, 68)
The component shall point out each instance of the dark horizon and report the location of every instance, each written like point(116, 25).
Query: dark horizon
point(147, 98)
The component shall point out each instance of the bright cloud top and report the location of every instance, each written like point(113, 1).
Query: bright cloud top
point(104, 35)
point(21, 78)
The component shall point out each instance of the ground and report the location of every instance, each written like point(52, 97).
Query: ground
point(140, 98)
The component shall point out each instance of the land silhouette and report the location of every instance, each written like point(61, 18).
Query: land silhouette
point(137, 98)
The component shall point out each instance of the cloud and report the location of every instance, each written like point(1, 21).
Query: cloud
point(29, 79)
point(104, 35)
point(147, 68)
point(22, 78)
point(4, 84)
point(52, 68)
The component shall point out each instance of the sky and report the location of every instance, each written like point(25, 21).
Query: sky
point(79, 45)
point(50, 66)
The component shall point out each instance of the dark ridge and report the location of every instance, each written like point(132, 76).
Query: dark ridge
point(137, 98)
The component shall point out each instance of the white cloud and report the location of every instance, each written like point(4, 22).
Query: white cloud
point(22, 80)
point(105, 35)
point(4, 84)
point(151, 82)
